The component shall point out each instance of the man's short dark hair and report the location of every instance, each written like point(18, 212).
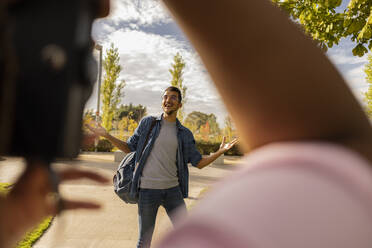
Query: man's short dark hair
point(175, 89)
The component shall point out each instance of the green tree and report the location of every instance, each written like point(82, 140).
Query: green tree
point(126, 127)
point(132, 112)
point(123, 127)
point(197, 119)
point(132, 125)
point(200, 124)
point(325, 24)
point(229, 131)
point(111, 91)
point(205, 131)
point(88, 118)
point(177, 80)
point(368, 94)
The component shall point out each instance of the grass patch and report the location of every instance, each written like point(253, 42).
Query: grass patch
point(4, 188)
point(33, 235)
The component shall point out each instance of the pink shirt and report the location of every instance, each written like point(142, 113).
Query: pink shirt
point(290, 195)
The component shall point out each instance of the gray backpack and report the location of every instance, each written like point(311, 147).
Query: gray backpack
point(123, 179)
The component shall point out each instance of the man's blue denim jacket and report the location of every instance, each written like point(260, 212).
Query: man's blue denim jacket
point(186, 152)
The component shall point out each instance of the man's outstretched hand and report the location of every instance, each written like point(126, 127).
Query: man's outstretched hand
point(97, 129)
point(224, 147)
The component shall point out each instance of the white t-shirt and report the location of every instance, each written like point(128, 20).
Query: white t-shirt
point(289, 195)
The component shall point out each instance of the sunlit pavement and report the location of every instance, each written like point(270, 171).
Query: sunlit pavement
point(115, 224)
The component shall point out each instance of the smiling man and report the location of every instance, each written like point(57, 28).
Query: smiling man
point(162, 173)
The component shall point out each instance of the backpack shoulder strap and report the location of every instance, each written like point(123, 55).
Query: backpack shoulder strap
point(148, 134)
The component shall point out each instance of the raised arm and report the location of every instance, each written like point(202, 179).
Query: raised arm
point(100, 131)
point(276, 84)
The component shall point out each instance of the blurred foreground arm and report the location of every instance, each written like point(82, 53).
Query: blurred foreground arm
point(32, 199)
point(276, 84)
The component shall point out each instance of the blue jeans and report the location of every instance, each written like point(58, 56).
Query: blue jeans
point(148, 205)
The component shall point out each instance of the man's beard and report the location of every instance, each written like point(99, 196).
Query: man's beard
point(169, 112)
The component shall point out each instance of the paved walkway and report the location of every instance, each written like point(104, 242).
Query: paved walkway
point(116, 224)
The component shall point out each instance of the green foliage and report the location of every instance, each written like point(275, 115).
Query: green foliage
point(132, 126)
point(88, 118)
point(206, 148)
point(368, 94)
point(320, 19)
point(132, 112)
point(111, 91)
point(89, 113)
point(126, 128)
point(203, 126)
point(199, 118)
point(123, 127)
point(104, 146)
point(177, 80)
point(229, 131)
point(32, 236)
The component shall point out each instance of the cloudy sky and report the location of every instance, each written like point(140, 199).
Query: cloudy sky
point(147, 39)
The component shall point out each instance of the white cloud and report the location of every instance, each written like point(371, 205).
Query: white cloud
point(356, 77)
point(146, 59)
point(343, 58)
point(352, 69)
point(143, 12)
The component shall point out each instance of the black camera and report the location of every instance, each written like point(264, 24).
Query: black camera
point(47, 75)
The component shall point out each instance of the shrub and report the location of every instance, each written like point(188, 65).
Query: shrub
point(103, 144)
point(206, 148)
